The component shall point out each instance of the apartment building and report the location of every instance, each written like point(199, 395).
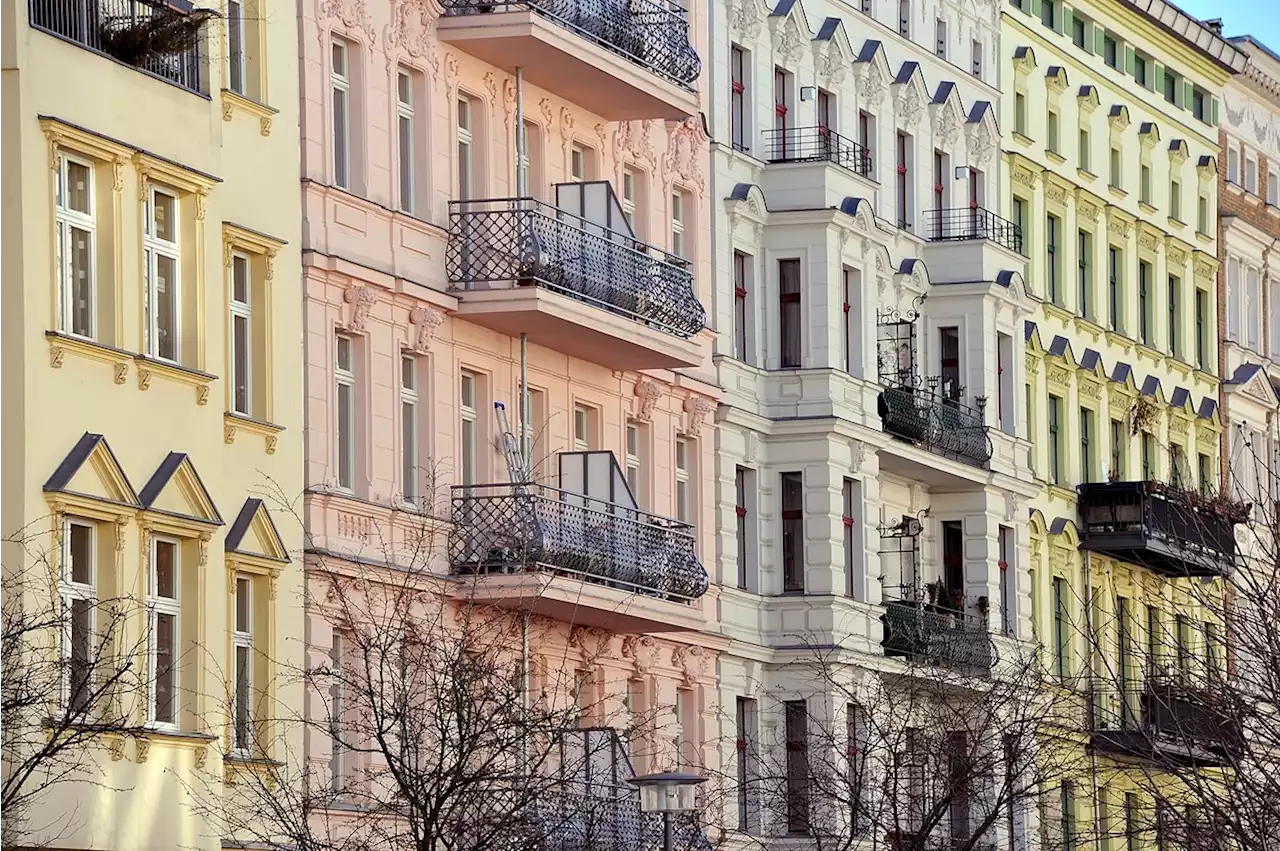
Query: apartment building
point(871, 477)
point(152, 433)
point(1112, 115)
point(506, 262)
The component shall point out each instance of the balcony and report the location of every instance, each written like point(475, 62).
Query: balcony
point(964, 224)
point(925, 417)
point(937, 634)
point(1164, 720)
point(162, 39)
point(813, 167)
point(1171, 531)
point(575, 558)
point(969, 244)
point(619, 60)
point(573, 285)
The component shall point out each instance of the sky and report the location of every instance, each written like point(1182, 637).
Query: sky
point(1258, 18)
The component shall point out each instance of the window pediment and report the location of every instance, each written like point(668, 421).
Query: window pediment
point(91, 472)
point(175, 490)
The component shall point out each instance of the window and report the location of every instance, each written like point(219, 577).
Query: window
point(975, 67)
point(677, 223)
point(337, 715)
point(857, 747)
point(74, 200)
point(1119, 442)
point(1051, 131)
point(1182, 638)
point(1148, 457)
point(581, 428)
point(1051, 258)
point(1250, 174)
point(405, 136)
point(790, 322)
point(949, 361)
point(1048, 13)
point(1141, 71)
point(1061, 634)
point(851, 501)
point(161, 259)
point(904, 180)
point(852, 292)
point(1253, 309)
point(345, 427)
point(1031, 434)
point(684, 499)
point(1144, 183)
point(1055, 439)
point(1008, 582)
point(941, 181)
point(1198, 100)
point(410, 429)
point(1202, 214)
point(741, 307)
point(738, 66)
point(1067, 815)
point(1175, 200)
point(469, 431)
point(1144, 302)
point(742, 481)
point(746, 719)
point(241, 335)
point(1086, 445)
point(78, 592)
point(904, 18)
point(242, 674)
point(1233, 164)
point(797, 732)
point(827, 114)
point(1175, 316)
point(683, 743)
point(1078, 31)
point(634, 460)
point(163, 630)
point(940, 38)
point(792, 532)
point(1084, 273)
point(1172, 84)
point(466, 150)
point(1115, 283)
point(1117, 176)
point(1273, 313)
point(235, 47)
point(1004, 385)
point(340, 82)
point(1019, 215)
point(630, 193)
point(531, 160)
point(1273, 187)
point(1110, 52)
point(579, 158)
point(1235, 300)
point(1020, 113)
point(1084, 149)
point(1204, 473)
point(867, 137)
point(781, 111)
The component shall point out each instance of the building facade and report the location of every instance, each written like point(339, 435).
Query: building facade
point(449, 267)
point(152, 438)
point(1111, 150)
point(871, 476)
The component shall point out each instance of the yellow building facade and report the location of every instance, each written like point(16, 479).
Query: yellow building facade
point(152, 431)
point(1110, 134)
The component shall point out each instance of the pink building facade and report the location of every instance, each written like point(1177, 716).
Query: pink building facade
point(415, 305)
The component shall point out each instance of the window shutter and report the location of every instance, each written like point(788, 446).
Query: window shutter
point(1129, 63)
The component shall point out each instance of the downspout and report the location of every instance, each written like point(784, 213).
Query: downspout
point(524, 429)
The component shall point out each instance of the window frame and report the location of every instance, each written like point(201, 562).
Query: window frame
point(410, 426)
point(344, 376)
point(340, 114)
point(242, 639)
point(406, 133)
point(67, 219)
point(71, 591)
point(156, 247)
point(237, 67)
point(158, 606)
point(469, 428)
point(238, 309)
point(683, 494)
point(464, 147)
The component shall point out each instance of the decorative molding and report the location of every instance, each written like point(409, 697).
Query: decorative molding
point(362, 298)
point(425, 319)
point(642, 651)
point(697, 409)
point(648, 392)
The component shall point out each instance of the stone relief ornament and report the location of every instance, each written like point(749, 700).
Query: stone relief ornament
point(648, 392)
point(425, 321)
point(697, 409)
point(745, 18)
point(642, 651)
point(682, 160)
point(788, 40)
point(352, 14)
point(413, 30)
point(361, 298)
point(873, 85)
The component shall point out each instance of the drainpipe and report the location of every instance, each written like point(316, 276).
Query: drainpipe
point(520, 140)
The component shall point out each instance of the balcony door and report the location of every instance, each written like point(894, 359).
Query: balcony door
point(949, 363)
point(953, 563)
point(781, 113)
point(826, 109)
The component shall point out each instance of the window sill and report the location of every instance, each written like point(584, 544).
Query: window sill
point(1147, 207)
point(1202, 236)
point(1116, 191)
point(1023, 138)
point(1235, 188)
point(1085, 174)
point(233, 423)
point(236, 765)
point(198, 742)
point(1176, 222)
point(232, 101)
point(1061, 492)
point(1152, 354)
point(149, 366)
point(60, 344)
point(1054, 157)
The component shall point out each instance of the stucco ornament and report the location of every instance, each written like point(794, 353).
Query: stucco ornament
point(745, 18)
point(682, 161)
point(413, 30)
point(873, 84)
point(1011, 505)
point(832, 66)
point(697, 409)
point(352, 14)
point(857, 456)
point(981, 145)
point(593, 642)
point(425, 320)
point(648, 392)
point(633, 139)
point(642, 651)
point(361, 299)
point(945, 125)
point(910, 106)
point(692, 661)
point(788, 40)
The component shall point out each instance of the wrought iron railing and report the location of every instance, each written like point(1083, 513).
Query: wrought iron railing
point(816, 144)
point(161, 38)
point(501, 528)
point(964, 223)
point(930, 419)
point(526, 242)
point(938, 634)
point(654, 36)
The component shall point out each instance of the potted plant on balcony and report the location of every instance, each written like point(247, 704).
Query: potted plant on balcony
point(1142, 415)
point(164, 32)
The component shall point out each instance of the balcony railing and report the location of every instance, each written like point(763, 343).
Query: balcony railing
point(502, 528)
point(964, 223)
point(1164, 528)
point(531, 243)
point(816, 144)
point(937, 634)
point(1164, 718)
point(161, 38)
point(929, 419)
point(654, 36)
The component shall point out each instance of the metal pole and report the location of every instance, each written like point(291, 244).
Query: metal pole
point(526, 428)
point(520, 140)
point(666, 831)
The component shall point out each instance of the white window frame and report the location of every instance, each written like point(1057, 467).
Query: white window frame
point(156, 606)
point(344, 435)
point(70, 591)
point(337, 715)
point(235, 47)
point(154, 248)
point(242, 639)
point(975, 59)
point(1273, 186)
point(578, 163)
point(1273, 314)
point(410, 426)
point(677, 223)
point(69, 218)
point(904, 18)
point(1233, 164)
point(1252, 308)
point(940, 37)
point(634, 464)
point(630, 181)
point(683, 507)
point(469, 434)
point(242, 310)
point(1250, 174)
point(581, 428)
point(406, 131)
point(463, 129)
point(340, 85)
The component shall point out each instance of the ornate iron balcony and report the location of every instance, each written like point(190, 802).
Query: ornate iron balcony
point(938, 634)
point(161, 38)
point(965, 223)
point(654, 36)
point(530, 243)
point(1170, 530)
point(932, 420)
point(816, 144)
point(504, 528)
point(1165, 717)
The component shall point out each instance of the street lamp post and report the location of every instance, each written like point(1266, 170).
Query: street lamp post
point(667, 793)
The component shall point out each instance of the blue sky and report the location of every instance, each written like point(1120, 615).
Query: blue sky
point(1258, 18)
